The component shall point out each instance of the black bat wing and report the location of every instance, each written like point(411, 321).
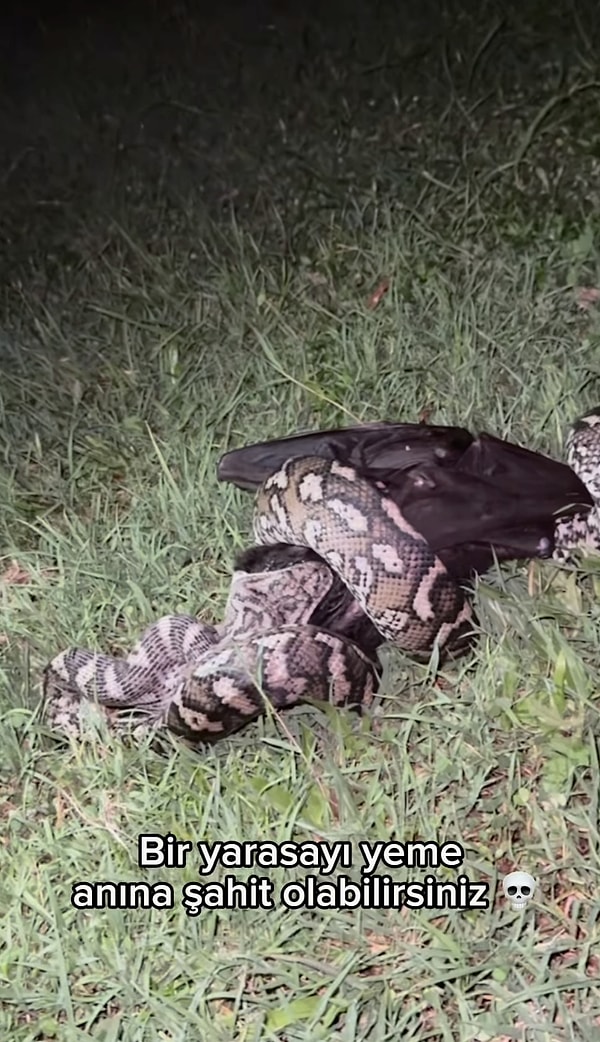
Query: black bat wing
point(474, 499)
point(499, 500)
point(375, 449)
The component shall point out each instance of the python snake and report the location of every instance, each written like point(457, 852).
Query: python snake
point(339, 568)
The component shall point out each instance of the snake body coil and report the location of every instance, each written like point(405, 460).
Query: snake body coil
point(358, 530)
point(203, 681)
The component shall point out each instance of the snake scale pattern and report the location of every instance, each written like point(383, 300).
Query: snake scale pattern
point(364, 535)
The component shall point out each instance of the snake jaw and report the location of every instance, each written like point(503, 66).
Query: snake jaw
point(259, 601)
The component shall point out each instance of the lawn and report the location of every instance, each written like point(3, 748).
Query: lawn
point(199, 217)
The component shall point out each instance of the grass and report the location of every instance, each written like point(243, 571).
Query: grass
point(191, 245)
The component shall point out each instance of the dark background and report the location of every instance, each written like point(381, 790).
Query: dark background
point(175, 112)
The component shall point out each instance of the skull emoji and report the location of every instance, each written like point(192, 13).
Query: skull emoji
point(519, 888)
